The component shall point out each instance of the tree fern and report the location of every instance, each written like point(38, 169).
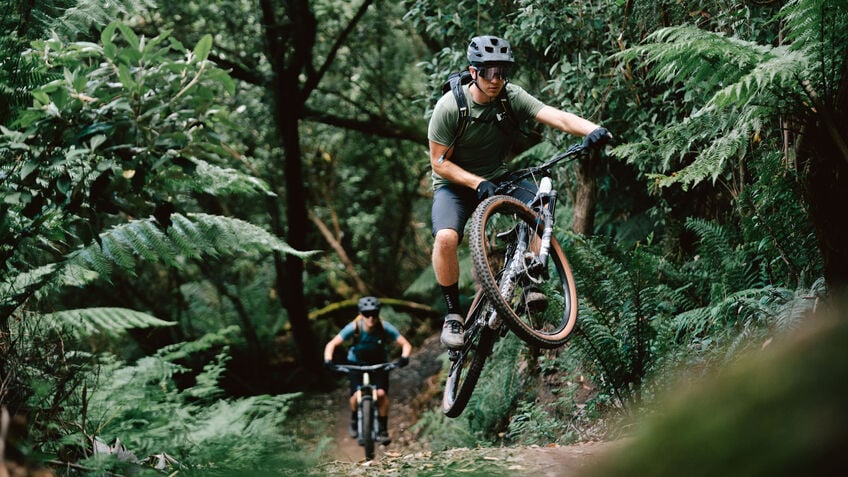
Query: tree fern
point(191, 235)
point(741, 84)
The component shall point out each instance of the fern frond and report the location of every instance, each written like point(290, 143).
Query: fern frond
point(207, 384)
point(112, 321)
point(217, 180)
point(232, 234)
point(714, 242)
point(85, 15)
point(737, 80)
point(691, 323)
point(208, 341)
point(710, 161)
point(782, 69)
point(817, 23)
point(685, 54)
point(192, 235)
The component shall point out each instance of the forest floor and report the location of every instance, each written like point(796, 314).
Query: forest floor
point(413, 390)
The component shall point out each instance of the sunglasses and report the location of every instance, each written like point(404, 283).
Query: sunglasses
point(490, 72)
point(370, 314)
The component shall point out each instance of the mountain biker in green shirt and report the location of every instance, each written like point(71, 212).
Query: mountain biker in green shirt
point(466, 169)
point(371, 335)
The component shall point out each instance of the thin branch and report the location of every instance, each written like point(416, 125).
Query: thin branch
point(315, 76)
point(336, 245)
point(374, 125)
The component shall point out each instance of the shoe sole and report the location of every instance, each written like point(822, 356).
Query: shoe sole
point(452, 346)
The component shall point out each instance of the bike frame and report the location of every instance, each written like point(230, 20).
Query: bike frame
point(544, 205)
point(532, 256)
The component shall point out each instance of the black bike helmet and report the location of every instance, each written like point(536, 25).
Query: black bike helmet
point(489, 49)
point(369, 303)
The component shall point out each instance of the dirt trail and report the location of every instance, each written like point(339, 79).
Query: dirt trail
point(417, 388)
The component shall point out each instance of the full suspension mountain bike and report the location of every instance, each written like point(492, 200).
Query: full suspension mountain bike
point(524, 279)
point(366, 403)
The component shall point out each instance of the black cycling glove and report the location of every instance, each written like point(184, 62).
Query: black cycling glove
point(403, 361)
point(485, 190)
point(598, 137)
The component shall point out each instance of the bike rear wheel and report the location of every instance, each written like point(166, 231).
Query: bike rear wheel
point(367, 434)
point(540, 306)
point(467, 363)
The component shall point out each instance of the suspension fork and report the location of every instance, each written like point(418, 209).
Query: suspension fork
point(365, 391)
point(514, 264)
point(544, 205)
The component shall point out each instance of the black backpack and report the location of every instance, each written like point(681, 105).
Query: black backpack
point(455, 82)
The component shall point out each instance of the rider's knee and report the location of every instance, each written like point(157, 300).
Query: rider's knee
point(446, 239)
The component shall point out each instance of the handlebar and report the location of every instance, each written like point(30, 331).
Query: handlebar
point(547, 165)
point(346, 368)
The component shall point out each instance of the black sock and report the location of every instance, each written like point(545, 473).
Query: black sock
point(383, 422)
point(352, 416)
point(451, 294)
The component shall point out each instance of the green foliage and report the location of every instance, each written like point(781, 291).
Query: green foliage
point(142, 406)
point(90, 321)
point(532, 424)
point(622, 303)
point(22, 22)
point(775, 224)
point(489, 409)
point(787, 398)
point(128, 127)
point(641, 315)
point(737, 85)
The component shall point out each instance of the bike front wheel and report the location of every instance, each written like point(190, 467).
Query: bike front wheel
point(466, 364)
point(539, 302)
point(367, 434)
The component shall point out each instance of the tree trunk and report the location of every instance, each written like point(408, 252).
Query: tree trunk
point(824, 153)
point(828, 195)
point(288, 57)
point(585, 197)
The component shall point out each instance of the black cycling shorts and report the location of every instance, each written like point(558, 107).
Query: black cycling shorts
point(380, 379)
point(453, 204)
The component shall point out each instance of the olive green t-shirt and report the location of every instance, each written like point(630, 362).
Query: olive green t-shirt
point(484, 145)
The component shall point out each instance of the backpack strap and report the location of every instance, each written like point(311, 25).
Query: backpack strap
point(357, 330)
point(456, 81)
point(508, 114)
point(454, 84)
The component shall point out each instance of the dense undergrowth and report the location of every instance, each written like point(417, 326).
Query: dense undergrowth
point(121, 149)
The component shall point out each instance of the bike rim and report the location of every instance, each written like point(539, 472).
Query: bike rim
point(541, 305)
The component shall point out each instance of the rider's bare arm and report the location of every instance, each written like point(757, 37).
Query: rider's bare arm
point(331, 347)
point(405, 346)
point(565, 121)
point(448, 169)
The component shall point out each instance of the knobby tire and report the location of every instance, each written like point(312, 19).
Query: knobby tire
point(490, 250)
point(465, 369)
point(367, 434)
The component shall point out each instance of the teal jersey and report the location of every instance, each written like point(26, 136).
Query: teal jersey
point(483, 147)
point(369, 348)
